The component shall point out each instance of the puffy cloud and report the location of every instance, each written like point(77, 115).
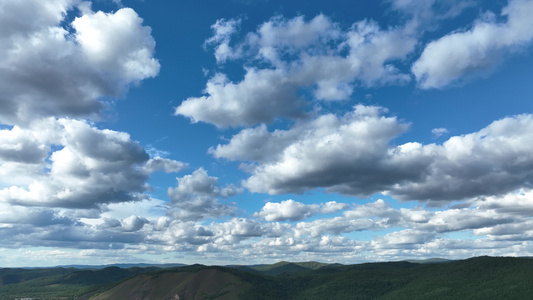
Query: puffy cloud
point(438, 132)
point(118, 45)
point(473, 52)
point(260, 97)
point(348, 154)
point(333, 207)
point(493, 161)
point(379, 211)
point(70, 163)
point(255, 144)
point(168, 165)
point(279, 34)
point(518, 203)
point(133, 223)
point(288, 209)
point(295, 211)
point(462, 219)
point(13, 214)
point(516, 231)
point(407, 238)
point(17, 146)
point(353, 155)
point(241, 228)
point(223, 29)
point(395, 233)
point(314, 55)
point(49, 71)
point(334, 226)
point(183, 232)
point(196, 197)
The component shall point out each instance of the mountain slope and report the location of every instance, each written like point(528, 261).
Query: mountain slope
point(60, 283)
point(209, 283)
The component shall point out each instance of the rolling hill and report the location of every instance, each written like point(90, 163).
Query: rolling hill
point(475, 278)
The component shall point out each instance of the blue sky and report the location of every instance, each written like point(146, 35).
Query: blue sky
point(205, 131)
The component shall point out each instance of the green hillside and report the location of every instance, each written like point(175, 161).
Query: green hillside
point(475, 278)
point(60, 283)
point(202, 283)
point(14, 276)
point(281, 268)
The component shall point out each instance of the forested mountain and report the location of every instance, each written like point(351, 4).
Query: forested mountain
point(475, 278)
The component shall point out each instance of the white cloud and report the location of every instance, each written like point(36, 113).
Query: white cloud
point(13, 214)
point(118, 45)
point(403, 239)
point(471, 53)
point(395, 233)
point(168, 165)
point(255, 144)
point(278, 35)
point(295, 211)
point(133, 223)
point(196, 197)
point(240, 228)
point(379, 211)
point(438, 132)
point(223, 30)
point(493, 161)
point(261, 96)
point(349, 154)
point(462, 219)
point(70, 163)
point(288, 209)
point(314, 55)
point(49, 71)
point(353, 155)
point(517, 203)
point(334, 226)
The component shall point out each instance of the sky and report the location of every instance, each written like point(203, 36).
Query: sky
point(255, 131)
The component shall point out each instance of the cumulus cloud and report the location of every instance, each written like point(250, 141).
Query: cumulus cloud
point(349, 154)
point(353, 155)
point(196, 197)
point(49, 71)
point(438, 132)
point(404, 239)
point(20, 215)
point(517, 203)
point(71, 163)
point(473, 52)
point(133, 223)
point(168, 165)
point(315, 55)
point(396, 233)
point(493, 161)
point(295, 211)
point(333, 226)
point(222, 31)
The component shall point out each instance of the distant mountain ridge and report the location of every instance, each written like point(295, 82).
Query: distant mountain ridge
point(123, 266)
point(428, 261)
